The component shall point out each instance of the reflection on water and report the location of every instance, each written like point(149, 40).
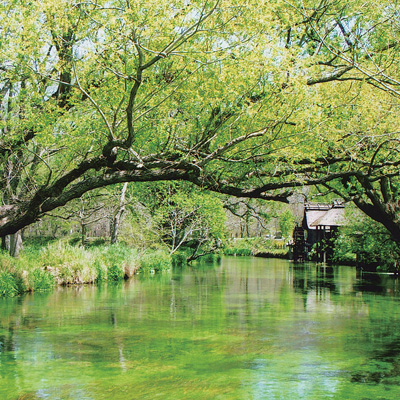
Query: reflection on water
point(245, 329)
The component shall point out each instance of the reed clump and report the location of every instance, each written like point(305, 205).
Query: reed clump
point(61, 263)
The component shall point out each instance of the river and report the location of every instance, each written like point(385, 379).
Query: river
point(248, 328)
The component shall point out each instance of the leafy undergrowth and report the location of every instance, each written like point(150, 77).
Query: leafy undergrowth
point(60, 263)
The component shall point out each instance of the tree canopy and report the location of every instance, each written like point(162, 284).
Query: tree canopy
point(247, 98)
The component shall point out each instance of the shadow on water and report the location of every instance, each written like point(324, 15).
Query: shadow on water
point(385, 284)
point(316, 277)
point(313, 277)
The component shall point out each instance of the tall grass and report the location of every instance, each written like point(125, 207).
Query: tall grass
point(8, 284)
point(41, 268)
point(39, 279)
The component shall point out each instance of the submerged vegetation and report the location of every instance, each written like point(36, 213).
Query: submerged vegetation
point(210, 333)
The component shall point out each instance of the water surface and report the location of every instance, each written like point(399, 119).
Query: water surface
point(245, 329)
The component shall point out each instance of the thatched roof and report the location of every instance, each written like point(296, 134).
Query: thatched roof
point(324, 215)
point(333, 217)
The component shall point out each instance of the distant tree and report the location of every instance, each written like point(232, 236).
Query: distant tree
point(184, 218)
point(286, 223)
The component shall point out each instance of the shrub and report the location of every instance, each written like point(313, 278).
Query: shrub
point(156, 261)
point(101, 271)
point(69, 264)
point(20, 282)
point(240, 247)
point(63, 264)
point(120, 257)
point(179, 259)
point(370, 243)
point(256, 246)
point(115, 273)
point(243, 252)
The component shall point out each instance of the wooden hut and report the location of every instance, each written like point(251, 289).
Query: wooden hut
point(319, 226)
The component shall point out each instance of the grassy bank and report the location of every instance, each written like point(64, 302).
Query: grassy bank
point(258, 247)
point(60, 263)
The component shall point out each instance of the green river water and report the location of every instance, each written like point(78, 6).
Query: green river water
point(248, 328)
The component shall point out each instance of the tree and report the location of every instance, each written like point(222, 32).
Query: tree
point(90, 209)
point(111, 92)
point(286, 223)
point(249, 215)
point(369, 241)
point(353, 62)
point(212, 93)
point(183, 217)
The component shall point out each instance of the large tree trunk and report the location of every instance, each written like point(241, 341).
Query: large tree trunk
point(118, 215)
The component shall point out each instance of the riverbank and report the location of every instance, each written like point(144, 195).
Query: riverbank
point(257, 247)
point(44, 265)
point(60, 263)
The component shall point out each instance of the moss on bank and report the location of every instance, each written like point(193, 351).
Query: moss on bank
point(60, 263)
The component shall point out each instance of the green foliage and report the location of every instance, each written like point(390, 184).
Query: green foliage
point(63, 264)
point(286, 223)
point(122, 260)
point(11, 283)
point(101, 271)
point(40, 279)
point(69, 264)
point(118, 254)
point(75, 264)
point(8, 284)
point(234, 250)
point(184, 218)
point(368, 242)
point(37, 242)
point(179, 258)
point(115, 273)
point(75, 240)
point(156, 261)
